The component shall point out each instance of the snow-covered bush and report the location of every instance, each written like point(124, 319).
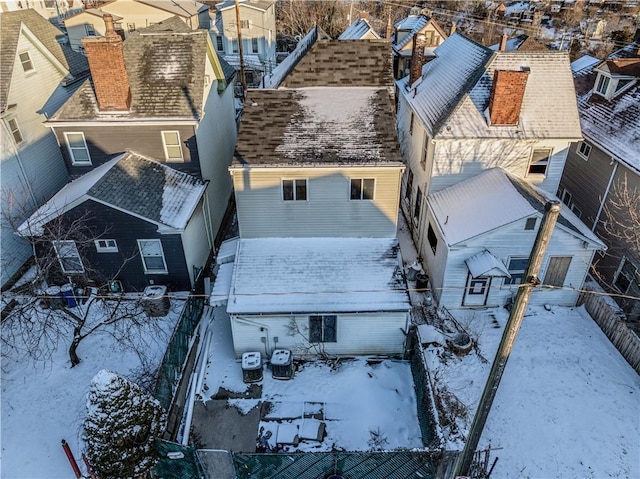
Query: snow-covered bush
point(121, 426)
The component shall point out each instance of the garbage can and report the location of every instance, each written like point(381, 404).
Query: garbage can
point(155, 301)
point(68, 294)
point(422, 281)
point(281, 364)
point(252, 367)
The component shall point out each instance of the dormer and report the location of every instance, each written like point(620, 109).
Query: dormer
point(616, 76)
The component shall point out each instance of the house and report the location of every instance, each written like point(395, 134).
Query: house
point(37, 76)
point(258, 32)
point(141, 222)
point(473, 108)
point(480, 235)
point(171, 100)
point(361, 29)
point(132, 15)
point(317, 175)
point(419, 25)
point(602, 173)
point(52, 10)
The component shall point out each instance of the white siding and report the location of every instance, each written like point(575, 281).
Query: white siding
point(514, 240)
point(196, 243)
point(34, 170)
point(328, 210)
point(262, 27)
point(367, 333)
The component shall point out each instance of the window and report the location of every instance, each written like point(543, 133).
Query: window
point(478, 285)
point(234, 46)
point(557, 270)
point(27, 64)
point(89, 30)
point(254, 45)
point(539, 161)
point(131, 27)
point(567, 198)
point(244, 24)
point(602, 84)
point(584, 149)
point(409, 186)
point(411, 124)
point(416, 210)
point(625, 275)
point(172, 146)
point(219, 44)
point(622, 84)
point(15, 130)
point(423, 158)
point(322, 329)
point(152, 256)
point(78, 149)
point(362, 189)
point(294, 190)
point(68, 256)
point(106, 246)
point(530, 224)
point(432, 238)
point(517, 267)
point(576, 211)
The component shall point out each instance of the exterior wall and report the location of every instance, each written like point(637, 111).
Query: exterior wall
point(197, 243)
point(107, 223)
point(262, 27)
point(357, 333)
point(33, 170)
point(508, 241)
point(106, 141)
point(328, 210)
point(76, 30)
point(49, 10)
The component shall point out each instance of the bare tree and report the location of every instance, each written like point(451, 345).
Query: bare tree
point(622, 213)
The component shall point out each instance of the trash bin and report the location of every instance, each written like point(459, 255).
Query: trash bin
point(281, 364)
point(155, 301)
point(252, 367)
point(422, 281)
point(69, 296)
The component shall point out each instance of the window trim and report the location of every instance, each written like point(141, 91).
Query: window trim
point(579, 150)
point(89, 27)
point(602, 80)
point(28, 61)
point(106, 248)
point(74, 161)
point(362, 189)
point(56, 247)
point(532, 163)
point(165, 270)
point(243, 23)
point(323, 328)
point(19, 138)
point(530, 223)
point(166, 147)
point(219, 43)
point(295, 189)
point(408, 187)
point(510, 281)
point(620, 271)
point(254, 45)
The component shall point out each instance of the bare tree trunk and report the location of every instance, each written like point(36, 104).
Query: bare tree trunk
point(73, 355)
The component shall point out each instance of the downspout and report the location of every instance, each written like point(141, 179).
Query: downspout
point(606, 193)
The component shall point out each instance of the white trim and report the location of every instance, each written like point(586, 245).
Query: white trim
point(107, 246)
point(547, 164)
point(53, 123)
point(362, 198)
point(70, 150)
point(167, 146)
point(17, 129)
point(161, 255)
point(29, 60)
point(587, 146)
point(73, 249)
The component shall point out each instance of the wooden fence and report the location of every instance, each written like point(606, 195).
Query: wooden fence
point(614, 326)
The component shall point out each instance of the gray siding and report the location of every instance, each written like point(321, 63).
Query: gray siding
point(328, 210)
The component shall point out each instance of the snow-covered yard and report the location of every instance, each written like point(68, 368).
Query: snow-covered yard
point(43, 402)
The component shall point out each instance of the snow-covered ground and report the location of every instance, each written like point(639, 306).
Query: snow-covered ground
point(44, 402)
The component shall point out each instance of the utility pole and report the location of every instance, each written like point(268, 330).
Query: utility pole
point(242, 76)
point(551, 211)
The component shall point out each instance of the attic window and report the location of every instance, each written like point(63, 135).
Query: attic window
point(623, 84)
point(539, 161)
point(530, 224)
point(27, 64)
point(89, 30)
point(15, 130)
point(244, 23)
point(602, 84)
point(584, 149)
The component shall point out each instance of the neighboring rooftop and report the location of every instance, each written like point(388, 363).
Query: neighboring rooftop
point(131, 183)
point(357, 30)
point(524, 43)
point(453, 94)
point(493, 199)
point(614, 124)
point(257, 4)
point(293, 275)
point(46, 33)
point(344, 125)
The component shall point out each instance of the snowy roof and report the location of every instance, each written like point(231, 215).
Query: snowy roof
point(250, 61)
point(493, 199)
point(329, 126)
point(412, 23)
point(486, 264)
point(317, 275)
point(222, 285)
point(288, 64)
point(358, 30)
point(453, 93)
point(95, 12)
point(583, 62)
point(613, 125)
point(521, 42)
point(182, 8)
point(257, 4)
point(130, 183)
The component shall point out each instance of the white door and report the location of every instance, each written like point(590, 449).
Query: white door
point(476, 291)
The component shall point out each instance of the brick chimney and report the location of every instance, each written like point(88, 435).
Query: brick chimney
point(506, 97)
point(417, 57)
point(389, 29)
point(503, 42)
point(108, 70)
point(365, 15)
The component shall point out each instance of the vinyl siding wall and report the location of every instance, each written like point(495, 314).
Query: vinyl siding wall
point(197, 244)
point(263, 27)
point(32, 171)
point(328, 211)
point(363, 333)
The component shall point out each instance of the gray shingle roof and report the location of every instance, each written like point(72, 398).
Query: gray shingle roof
point(46, 33)
point(183, 8)
point(411, 23)
point(165, 65)
point(611, 124)
point(260, 4)
point(454, 92)
point(357, 30)
point(330, 126)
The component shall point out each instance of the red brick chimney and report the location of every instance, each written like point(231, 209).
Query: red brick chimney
point(506, 97)
point(108, 70)
point(364, 15)
point(417, 57)
point(503, 42)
